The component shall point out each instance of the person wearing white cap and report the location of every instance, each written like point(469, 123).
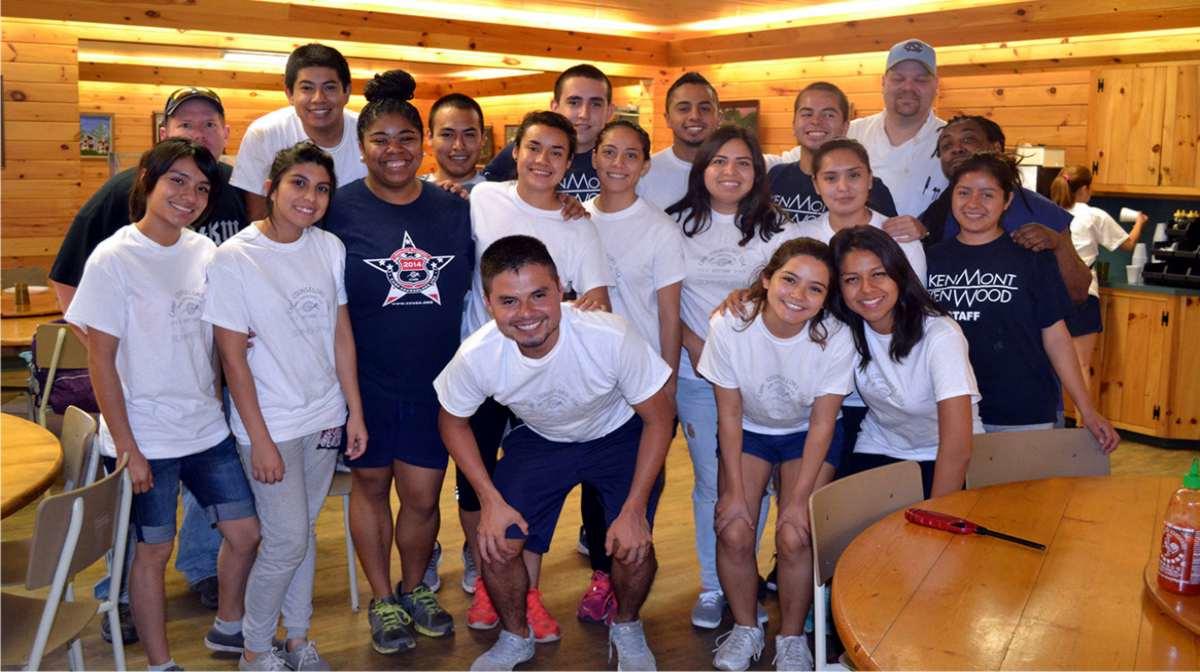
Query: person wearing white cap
point(902, 139)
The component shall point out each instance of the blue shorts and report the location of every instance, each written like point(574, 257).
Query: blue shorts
point(401, 430)
point(214, 476)
point(1085, 318)
point(535, 475)
point(780, 448)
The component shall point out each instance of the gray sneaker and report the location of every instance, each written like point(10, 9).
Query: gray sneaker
point(431, 577)
point(428, 617)
point(470, 571)
point(305, 658)
point(216, 640)
point(629, 639)
point(762, 616)
point(509, 651)
point(390, 627)
point(792, 654)
point(736, 648)
point(265, 661)
point(709, 609)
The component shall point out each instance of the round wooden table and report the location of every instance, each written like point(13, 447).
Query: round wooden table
point(17, 332)
point(30, 460)
point(909, 597)
point(43, 302)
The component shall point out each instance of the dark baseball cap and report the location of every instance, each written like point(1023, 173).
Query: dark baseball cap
point(181, 96)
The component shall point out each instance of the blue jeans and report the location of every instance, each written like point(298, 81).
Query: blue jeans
point(697, 408)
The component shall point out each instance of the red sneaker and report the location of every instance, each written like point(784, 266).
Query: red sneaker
point(599, 602)
point(481, 615)
point(545, 628)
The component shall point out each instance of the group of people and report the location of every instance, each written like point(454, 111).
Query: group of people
point(881, 292)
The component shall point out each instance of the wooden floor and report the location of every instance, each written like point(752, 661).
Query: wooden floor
point(343, 635)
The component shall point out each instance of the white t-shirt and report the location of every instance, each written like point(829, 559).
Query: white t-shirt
point(1091, 228)
point(150, 297)
point(778, 378)
point(281, 129)
point(790, 156)
point(287, 294)
point(644, 248)
point(467, 184)
point(717, 265)
point(667, 180)
point(583, 389)
point(902, 419)
point(911, 171)
point(820, 229)
point(497, 211)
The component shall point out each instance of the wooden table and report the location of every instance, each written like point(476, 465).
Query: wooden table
point(17, 332)
point(908, 597)
point(40, 303)
point(30, 460)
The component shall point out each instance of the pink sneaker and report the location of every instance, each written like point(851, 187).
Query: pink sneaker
point(599, 602)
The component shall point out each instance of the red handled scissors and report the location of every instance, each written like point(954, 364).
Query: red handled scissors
point(948, 523)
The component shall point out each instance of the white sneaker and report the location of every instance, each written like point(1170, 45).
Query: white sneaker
point(470, 571)
point(709, 609)
point(431, 578)
point(762, 616)
point(629, 639)
point(305, 658)
point(792, 654)
point(738, 647)
point(509, 651)
point(269, 661)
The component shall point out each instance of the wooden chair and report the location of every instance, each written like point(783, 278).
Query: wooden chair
point(841, 510)
point(73, 530)
point(1004, 457)
point(340, 487)
point(58, 348)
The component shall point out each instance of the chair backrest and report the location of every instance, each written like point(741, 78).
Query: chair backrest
point(101, 511)
point(73, 354)
point(78, 432)
point(841, 510)
point(1004, 457)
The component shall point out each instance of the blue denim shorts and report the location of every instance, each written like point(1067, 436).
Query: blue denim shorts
point(216, 478)
point(780, 448)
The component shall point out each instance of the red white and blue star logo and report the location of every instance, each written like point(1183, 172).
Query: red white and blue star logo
point(411, 270)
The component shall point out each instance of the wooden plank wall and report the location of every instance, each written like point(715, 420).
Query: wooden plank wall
point(40, 187)
point(501, 111)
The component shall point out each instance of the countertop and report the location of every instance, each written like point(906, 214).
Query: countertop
point(1153, 289)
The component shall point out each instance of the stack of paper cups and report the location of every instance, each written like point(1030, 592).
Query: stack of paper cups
point(1140, 255)
point(1160, 236)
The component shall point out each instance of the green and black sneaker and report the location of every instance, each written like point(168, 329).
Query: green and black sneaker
point(390, 627)
point(427, 616)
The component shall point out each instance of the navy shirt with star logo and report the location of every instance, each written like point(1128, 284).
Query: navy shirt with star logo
point(408, 271)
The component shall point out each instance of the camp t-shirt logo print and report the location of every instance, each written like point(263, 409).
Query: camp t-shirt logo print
point(309, 311)
point(971, 288)
point(411, 270)
point(186, 308)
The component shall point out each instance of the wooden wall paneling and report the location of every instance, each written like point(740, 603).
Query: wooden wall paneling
point(1181, 141)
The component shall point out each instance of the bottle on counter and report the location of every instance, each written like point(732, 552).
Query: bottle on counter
point(1179, 558)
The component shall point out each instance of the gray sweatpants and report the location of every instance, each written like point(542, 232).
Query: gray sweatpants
point(282, 576)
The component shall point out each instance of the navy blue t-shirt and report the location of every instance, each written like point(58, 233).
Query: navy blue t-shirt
point(1027, 206)
point(793, 191)
point(1003, 295)
point(580, 180)
point(408, 271)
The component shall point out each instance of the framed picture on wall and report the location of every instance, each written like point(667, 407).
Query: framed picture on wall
point(95, 136)
point(157, 119)
point(487, 146)
point(742, 113)
point(510, 133)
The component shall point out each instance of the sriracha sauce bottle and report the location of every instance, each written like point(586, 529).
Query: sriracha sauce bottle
point(1179, 559)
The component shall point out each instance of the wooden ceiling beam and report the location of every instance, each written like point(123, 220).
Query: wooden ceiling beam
point(1025, 20)
point(325, 23)
point(217, 79)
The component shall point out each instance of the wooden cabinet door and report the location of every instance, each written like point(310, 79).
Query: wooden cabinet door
point(1133, 390)
point(1183, 409)
point(1125, 126)
point(1180, 158)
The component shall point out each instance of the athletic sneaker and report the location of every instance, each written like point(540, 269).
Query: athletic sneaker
point(390, 625)
point(792, 654)
point(709, 609)
point(269, 661)
point(428, 617)
point(599, 602)
point(305, 658)
point(772, 582)
point(431, 577)
point(762, 615)
point(208, 590)
point(470, 571)
point(509, 651)
point(216, 640)
point(581, 546)
point(125, 619)
point(544, 627)
point(481, 615)
point(736, 648)
point(629, 639)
